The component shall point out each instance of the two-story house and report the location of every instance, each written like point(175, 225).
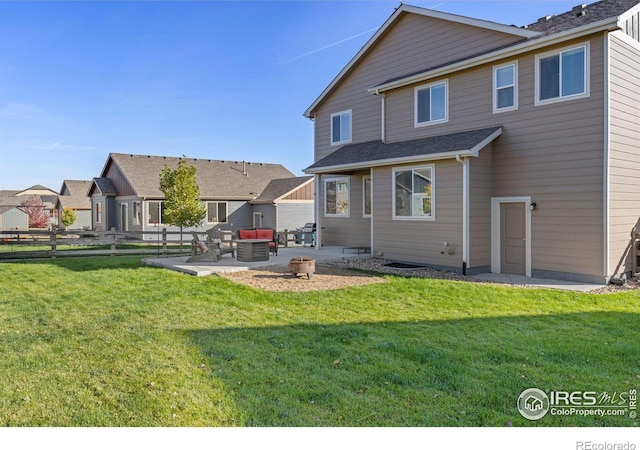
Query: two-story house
point(471, 145)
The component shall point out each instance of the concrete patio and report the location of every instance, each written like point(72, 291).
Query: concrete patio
point(229, 264)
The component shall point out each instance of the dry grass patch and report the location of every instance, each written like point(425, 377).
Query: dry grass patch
point(278, 279)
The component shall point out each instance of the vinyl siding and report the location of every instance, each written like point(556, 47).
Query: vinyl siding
point(553, 153)
point(303, 193)
point(624, 151)
point(14, 219)
point(354, 230)
point(120, 183)
point(412, 44)
point(480, 183)
point(268, 212)
point(632, 26)
point(420, 240)
point(294, 215)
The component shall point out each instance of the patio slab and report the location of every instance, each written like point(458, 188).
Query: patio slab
point(229, 264)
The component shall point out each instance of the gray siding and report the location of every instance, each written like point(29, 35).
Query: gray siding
point(268, 212)
point(421, 240)
point(14, 219)
point(354, 230)
point(624, 151)
point(413, 43)
point(292, 215)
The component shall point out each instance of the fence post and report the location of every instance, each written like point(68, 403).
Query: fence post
point(113, 242)
point(54, 242)
point(164, 242)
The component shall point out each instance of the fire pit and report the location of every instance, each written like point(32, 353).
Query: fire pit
point(302, 264)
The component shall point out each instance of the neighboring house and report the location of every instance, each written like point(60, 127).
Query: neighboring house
point(467, 144)
point(73, 194)
point(127, 195)
point(285, 204)
point(13, 218)
point(49, 198)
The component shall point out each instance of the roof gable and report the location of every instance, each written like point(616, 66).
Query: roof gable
point(403, 10)
point(280, 188)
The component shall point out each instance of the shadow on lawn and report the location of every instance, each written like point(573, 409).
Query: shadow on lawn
point(89, 263)
point(466, 372)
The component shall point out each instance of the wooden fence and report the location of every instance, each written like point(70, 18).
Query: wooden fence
point(15, 245)
point(29, 244)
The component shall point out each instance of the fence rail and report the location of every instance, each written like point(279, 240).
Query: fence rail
point(28, 244)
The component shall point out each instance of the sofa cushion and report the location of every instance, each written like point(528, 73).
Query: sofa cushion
point(264, 234)
point(247, 234)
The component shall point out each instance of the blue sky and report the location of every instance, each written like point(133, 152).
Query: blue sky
point(206, 79)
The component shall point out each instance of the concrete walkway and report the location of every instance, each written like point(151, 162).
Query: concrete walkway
point(229, 264)
point(519, 280)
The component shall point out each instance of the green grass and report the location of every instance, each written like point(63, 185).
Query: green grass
point(108, 342)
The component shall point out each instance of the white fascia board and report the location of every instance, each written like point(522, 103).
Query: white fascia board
point(508, 29)
point(610, 24)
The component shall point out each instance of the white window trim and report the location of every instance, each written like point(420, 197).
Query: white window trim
point(433, 190)
point(364, 198)
point(417, 124)
point(497, 110)
point(136, 220)
point(328, 180)
point(206, 204)
point(342, 141)
point(587, 75)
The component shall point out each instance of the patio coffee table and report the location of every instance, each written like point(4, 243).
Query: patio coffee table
point(250, 250)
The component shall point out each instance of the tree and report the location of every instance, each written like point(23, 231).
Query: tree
point(38, 214)
point(68, 216)
point(182, 205)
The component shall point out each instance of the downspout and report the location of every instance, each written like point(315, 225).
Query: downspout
point(371, 215)
point(606, 260)
point(383, 132)
point(316, 189)
point(465, 212)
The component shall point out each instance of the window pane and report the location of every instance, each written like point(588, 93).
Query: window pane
point(505, 98)
point(345, 127)
point(222, 212)
point(154, 213)
point(424, 114)
point(342, 198)
point(438, 102)
point(330, 197)
point(212, 212)
point(504, 77)
point(403, 190)
point(335, 129)
point(550, 77)
point(367, 196)
point(573, 72)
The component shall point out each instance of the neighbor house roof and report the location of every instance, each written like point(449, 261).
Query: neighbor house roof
point(277, 189)
point(104, 185)
point(377, 153)
point(217, 179)
point(77, 197)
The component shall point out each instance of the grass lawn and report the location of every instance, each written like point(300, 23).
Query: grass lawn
point(109, 342)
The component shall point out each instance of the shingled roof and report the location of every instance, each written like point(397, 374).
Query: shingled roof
point(217, 179)
point(582, 14)
point(377, 153)
point(77, 194)
point(281, 187)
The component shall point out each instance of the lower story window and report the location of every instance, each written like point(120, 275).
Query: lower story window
point(336, 194)
point(156, 213)
point(99, 212)
point(216, 212)
point(413, 193)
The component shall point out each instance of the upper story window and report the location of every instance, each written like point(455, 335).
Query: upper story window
point(505, 87)
point(413, 193)
point(431, 104)
point(341, 127)
point(562, 75)
point(336, 194)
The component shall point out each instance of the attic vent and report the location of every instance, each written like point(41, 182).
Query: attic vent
point(544, 19)
point(579, 7)
point(580, 14)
